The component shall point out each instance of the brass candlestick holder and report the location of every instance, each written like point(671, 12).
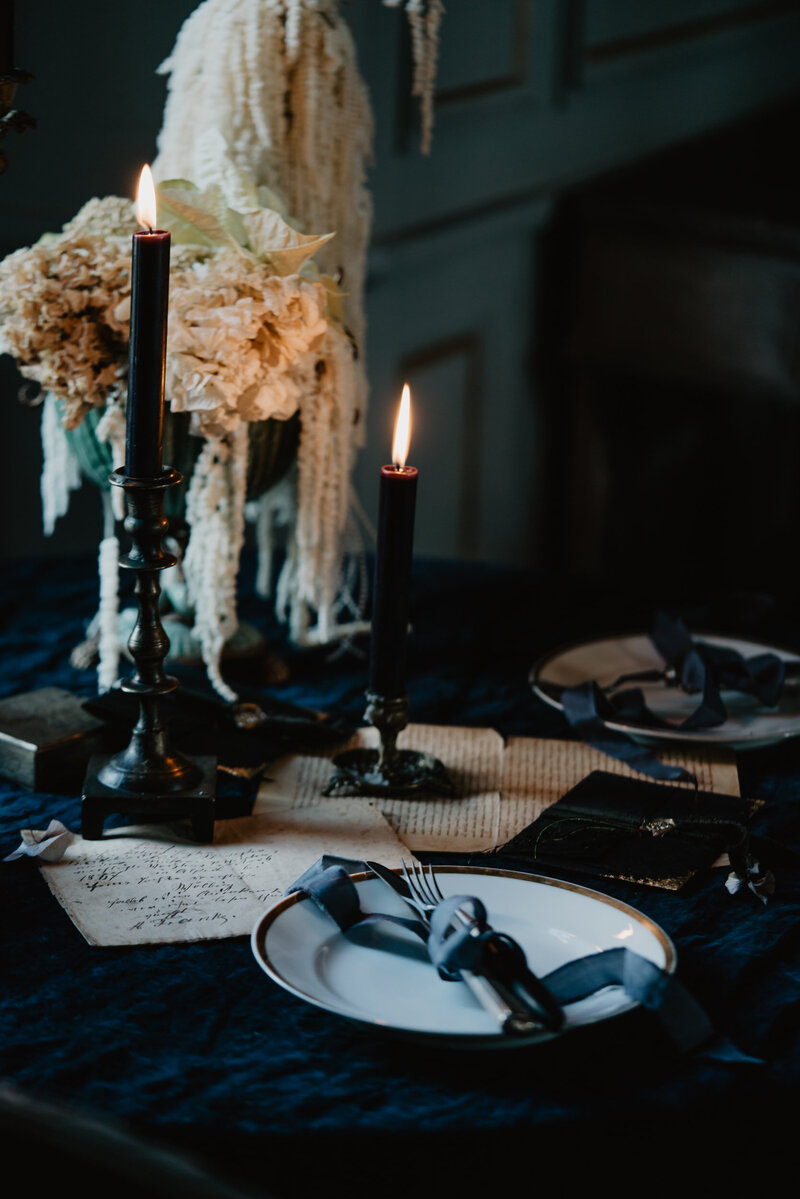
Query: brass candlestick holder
point(388, 771)
point(149, 778)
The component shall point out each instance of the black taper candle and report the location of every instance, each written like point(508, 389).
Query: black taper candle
point(148, 344)
point(389, 770)
point(390, 597)
point(147, 355)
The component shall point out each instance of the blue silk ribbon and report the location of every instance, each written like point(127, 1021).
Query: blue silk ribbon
point(452, 949)
point(697, 667)
point(701, 668)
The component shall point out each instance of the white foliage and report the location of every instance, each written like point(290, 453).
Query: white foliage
point(215, 503)
point(60, 471)
point(424, 20)
point(272, 87)
point(108, 635)
point(265, 101)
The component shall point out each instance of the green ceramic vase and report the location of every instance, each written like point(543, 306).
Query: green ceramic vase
point(273, 448)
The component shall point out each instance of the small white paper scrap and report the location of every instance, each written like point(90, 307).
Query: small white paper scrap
point(49, 845)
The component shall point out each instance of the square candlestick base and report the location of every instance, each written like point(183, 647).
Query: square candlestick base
point(195, 803)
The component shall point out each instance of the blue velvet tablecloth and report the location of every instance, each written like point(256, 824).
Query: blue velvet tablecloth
point(192, 1048)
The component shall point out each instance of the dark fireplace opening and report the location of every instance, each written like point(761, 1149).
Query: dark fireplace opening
point(670, 359)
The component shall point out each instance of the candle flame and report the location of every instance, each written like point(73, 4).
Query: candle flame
point(402, 429)
point(146, 199)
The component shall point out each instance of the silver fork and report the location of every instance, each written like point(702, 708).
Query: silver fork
point(425, 884)
point(493, 997)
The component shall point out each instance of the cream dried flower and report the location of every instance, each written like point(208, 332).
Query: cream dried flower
point(60, 315)
point(241, 341)
point(244, 324)
point(111, 216)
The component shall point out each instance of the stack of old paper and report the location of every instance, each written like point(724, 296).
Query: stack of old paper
point(145, 885)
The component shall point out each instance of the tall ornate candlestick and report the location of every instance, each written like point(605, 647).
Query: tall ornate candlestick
point(148, 777)
point(389, 770)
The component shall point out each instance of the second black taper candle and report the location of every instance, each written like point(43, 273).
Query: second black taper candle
point(394, 554)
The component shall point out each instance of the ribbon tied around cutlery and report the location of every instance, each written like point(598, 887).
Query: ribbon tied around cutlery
point(328, 884)
point(697, 667)
point(452, 947)
point(701, 668)
point(477, 947)
point(331, 889)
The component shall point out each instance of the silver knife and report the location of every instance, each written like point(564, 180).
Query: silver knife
point(495, 999)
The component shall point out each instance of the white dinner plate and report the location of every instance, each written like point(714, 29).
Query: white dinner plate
point(749, 725)
point(390, 983)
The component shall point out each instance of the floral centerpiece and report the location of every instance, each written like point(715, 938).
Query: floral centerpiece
point(268, 116)
point(255, 340)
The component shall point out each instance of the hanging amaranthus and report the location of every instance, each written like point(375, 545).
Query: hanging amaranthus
point(266, 103)
point(424, 19)
point(268, 118)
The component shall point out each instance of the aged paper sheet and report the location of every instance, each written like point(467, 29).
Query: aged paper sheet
point(473, 758)
point(142, 886)
point(501, 789)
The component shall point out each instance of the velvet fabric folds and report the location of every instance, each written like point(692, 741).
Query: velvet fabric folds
point(192, 1045)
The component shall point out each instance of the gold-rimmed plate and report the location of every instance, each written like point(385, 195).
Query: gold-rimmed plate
point(387, 981)
point(749, 725)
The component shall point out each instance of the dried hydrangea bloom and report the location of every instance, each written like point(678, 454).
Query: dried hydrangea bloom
point(107, 217)
point(241, 341)
point(238, 333)
point(60, 318)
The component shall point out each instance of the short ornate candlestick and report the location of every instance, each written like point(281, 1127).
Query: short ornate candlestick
point(387, 770)
point(148, 777)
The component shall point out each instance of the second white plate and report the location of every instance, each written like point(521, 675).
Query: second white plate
point(749, 725)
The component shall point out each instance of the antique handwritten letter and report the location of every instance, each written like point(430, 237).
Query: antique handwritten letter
point(145, 885)
point(141, 886)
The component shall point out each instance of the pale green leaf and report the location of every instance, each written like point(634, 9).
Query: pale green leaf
point(271, 238)
point(178, 185)
point(334, 305)
point(267, 198)
point(196, 218)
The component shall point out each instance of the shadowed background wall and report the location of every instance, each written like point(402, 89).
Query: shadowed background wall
point(515, 273)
